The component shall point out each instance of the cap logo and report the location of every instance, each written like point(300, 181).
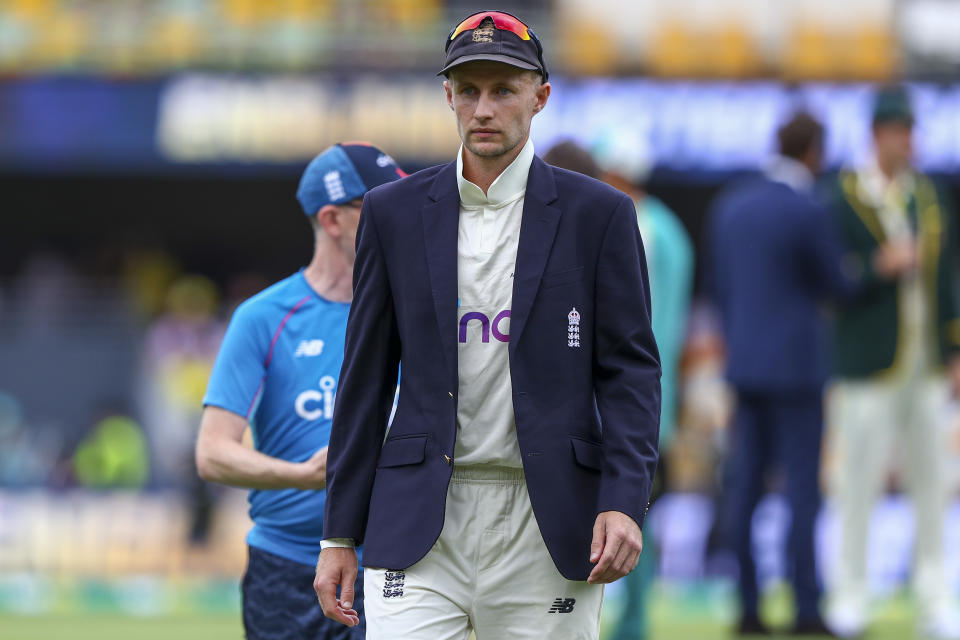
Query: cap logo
point(484, 31)
point(383, 160)
point(334, 185)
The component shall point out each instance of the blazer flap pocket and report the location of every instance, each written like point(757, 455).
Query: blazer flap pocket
point(397, 452)
point(558, 278)
point(587, 453)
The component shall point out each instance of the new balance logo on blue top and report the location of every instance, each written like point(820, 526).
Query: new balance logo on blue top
point(309, 348)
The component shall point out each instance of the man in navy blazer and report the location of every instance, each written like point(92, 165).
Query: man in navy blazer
point(775, 259)
point(515, 475)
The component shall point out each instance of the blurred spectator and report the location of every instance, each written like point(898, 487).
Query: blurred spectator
point(113, 455)
point(180, 348)
point(27, 455)
point(773, 260)
point(46, 290)
point(891, 345)
point(147, 277)
point(569, 155)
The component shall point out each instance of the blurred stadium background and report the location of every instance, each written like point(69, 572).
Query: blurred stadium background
point(149, 154)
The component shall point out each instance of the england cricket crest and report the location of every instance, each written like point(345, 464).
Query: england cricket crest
point(573, 329)
point(393, 583)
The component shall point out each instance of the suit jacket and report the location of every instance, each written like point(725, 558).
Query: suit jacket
point(586, 417)
point(868, 328)
point(775, 258)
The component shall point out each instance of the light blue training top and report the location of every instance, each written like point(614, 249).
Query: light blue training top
point(278, 367)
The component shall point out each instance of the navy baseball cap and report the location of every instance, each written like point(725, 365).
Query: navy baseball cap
point(497, 36)
point(344, 172)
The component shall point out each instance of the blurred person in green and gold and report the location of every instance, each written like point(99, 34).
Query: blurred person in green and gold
point(897, 345)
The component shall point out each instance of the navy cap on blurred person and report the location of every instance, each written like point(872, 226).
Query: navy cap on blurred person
point(497, 36)
point(344, 172)
point(892, 104)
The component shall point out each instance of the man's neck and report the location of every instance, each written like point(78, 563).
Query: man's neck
point(889, 170)
point(484, 170)
point(329, 273)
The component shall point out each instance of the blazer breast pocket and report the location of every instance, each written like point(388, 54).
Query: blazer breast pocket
point(561, 278)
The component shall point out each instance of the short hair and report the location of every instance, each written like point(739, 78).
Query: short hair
point(570, 155)
point(799, 134)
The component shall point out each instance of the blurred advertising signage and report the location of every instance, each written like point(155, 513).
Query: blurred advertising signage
point(723, 126)
point(206, 118)
point(677, 125)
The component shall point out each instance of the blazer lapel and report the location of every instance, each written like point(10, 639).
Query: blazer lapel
point(441, 217)
point(538, 229)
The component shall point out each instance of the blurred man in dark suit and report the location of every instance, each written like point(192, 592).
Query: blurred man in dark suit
point(774, 259)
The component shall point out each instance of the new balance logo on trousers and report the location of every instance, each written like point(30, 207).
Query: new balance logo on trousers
point(563, 605)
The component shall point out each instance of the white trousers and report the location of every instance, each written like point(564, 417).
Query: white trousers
point(489, 572)
point(867, 420)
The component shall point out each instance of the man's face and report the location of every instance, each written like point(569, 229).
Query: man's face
point(494, 103)
point(894, 144)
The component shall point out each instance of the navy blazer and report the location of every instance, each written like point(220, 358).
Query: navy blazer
point(587, 417)
point(775, 258)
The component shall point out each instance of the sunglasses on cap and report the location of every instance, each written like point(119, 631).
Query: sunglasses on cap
point(501, 20)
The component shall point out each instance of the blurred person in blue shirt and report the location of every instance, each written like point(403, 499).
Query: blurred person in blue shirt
point(625, 165)
point(774, 259)
point(277, 371)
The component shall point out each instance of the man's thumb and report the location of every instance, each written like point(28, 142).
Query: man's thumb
point(599, 533)
point(346, 594)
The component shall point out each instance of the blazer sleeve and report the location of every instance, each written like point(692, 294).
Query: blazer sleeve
point(626, 368)
point(366, 389)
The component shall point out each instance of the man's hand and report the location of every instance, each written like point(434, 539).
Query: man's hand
point(617, 543)
point(895, 259)
point(313, 472)
point(337, 566)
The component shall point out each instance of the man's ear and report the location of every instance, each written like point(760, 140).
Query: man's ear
point(329, 219)
point(542, 94)
point(448, 90)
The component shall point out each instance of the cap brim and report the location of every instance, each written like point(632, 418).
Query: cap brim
point(510, 60)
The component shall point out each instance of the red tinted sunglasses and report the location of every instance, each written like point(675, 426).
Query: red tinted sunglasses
point(501, 20)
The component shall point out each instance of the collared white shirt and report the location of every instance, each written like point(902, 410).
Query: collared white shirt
point(487, 241)
point(790, 172)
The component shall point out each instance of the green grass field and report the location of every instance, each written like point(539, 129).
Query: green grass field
point(119, 627)
point(700, 611)
point(894, 623)
point(220, 627)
